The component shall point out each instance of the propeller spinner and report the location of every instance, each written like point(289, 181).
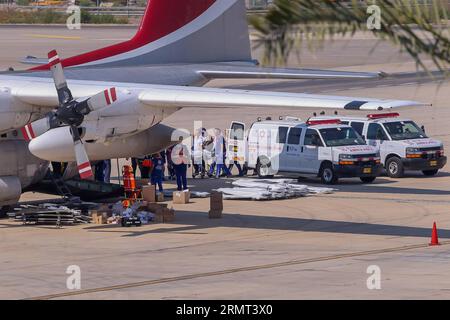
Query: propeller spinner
point(71, 113)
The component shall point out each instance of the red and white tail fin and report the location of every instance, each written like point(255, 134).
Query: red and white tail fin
point(178, 31)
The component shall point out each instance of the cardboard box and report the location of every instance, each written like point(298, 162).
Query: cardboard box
point(181, 197)
point(149, 194)
point(154, 207)
point(159, 218)
point(99, 217)
point(164, 215)
point(159, 197)
point(216, 201)
point(215, 214)
point(143, 205)
point(169, 215)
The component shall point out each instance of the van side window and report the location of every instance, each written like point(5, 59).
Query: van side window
point(376, 132)
point(312, 138)
point(237, 131)
point(294, 136)
point(282, 134)
point(358, 126)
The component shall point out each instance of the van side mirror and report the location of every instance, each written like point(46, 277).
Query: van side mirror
point(423, 128)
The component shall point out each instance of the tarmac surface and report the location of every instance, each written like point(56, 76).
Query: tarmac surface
point(318, 247)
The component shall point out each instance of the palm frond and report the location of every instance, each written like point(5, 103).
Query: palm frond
point(420, 30)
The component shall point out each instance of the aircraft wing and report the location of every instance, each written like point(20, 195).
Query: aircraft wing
point(185, 97)
point(43, 94)
point(242, 72)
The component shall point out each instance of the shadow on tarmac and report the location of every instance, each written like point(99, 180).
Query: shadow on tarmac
point(198, 221)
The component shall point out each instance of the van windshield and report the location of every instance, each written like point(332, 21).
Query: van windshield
point(404, 130)
point(335, 137)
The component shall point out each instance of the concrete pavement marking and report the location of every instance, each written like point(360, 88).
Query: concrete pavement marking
point(234, 270)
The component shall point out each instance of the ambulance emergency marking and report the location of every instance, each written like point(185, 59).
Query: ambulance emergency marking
point(402, 144)
point(324, 148)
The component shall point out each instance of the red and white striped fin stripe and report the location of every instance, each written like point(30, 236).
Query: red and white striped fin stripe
point(28, 132)
point(85, 170)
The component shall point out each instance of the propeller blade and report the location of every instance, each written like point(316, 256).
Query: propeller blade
point(99, 101)
point(83, 164)
point(36, 128)
point(64, 94)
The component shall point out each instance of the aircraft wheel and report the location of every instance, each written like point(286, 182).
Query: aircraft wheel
point(4, 210)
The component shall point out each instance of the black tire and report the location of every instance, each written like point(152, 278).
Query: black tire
point(368, 179)
point(430, 173)
point(328, 175)
point(395, 168)
point(3, 211)
point(263, 164)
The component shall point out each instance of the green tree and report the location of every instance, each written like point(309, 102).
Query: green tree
point(419, 29)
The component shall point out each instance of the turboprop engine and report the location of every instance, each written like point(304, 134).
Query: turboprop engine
point(57, 144)
point(19, 169)
point(10, 190)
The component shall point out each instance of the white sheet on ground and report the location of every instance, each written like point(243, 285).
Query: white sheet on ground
point(269, 189)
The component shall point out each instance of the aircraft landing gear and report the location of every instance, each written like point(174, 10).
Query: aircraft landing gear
point(4, 210)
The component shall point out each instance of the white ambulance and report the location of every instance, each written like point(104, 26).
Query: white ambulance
point(323, 148)
point(402, 144)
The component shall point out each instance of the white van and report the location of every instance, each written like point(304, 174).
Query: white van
point(324, 148)
point(402, 144)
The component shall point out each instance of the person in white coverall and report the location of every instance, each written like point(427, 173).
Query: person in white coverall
point(219, 155)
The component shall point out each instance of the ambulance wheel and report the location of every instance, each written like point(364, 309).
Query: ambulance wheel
point(327, 174)
point(263, 168)
point(368, 179)
point(430, 173)
point(394, 167)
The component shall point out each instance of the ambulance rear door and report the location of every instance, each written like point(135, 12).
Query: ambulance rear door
point(237, 142)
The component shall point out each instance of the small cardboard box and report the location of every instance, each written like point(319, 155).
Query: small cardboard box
point(169, 215)
point(154, 207)
point(159, 197)
point(143, 205)
point(149, 194)
point(181, 197)
point(215, 214)
point(99, 217)
point(216, 201)
point(159, 217)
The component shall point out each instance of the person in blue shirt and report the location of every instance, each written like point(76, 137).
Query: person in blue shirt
point(158, 171)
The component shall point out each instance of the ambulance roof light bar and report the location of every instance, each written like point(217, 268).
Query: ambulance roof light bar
point(383, 115)
point(319, 122)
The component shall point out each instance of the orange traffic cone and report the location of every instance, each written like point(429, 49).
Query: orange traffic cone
point(434, 236)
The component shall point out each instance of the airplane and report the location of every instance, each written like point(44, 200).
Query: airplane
point(115, 98)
